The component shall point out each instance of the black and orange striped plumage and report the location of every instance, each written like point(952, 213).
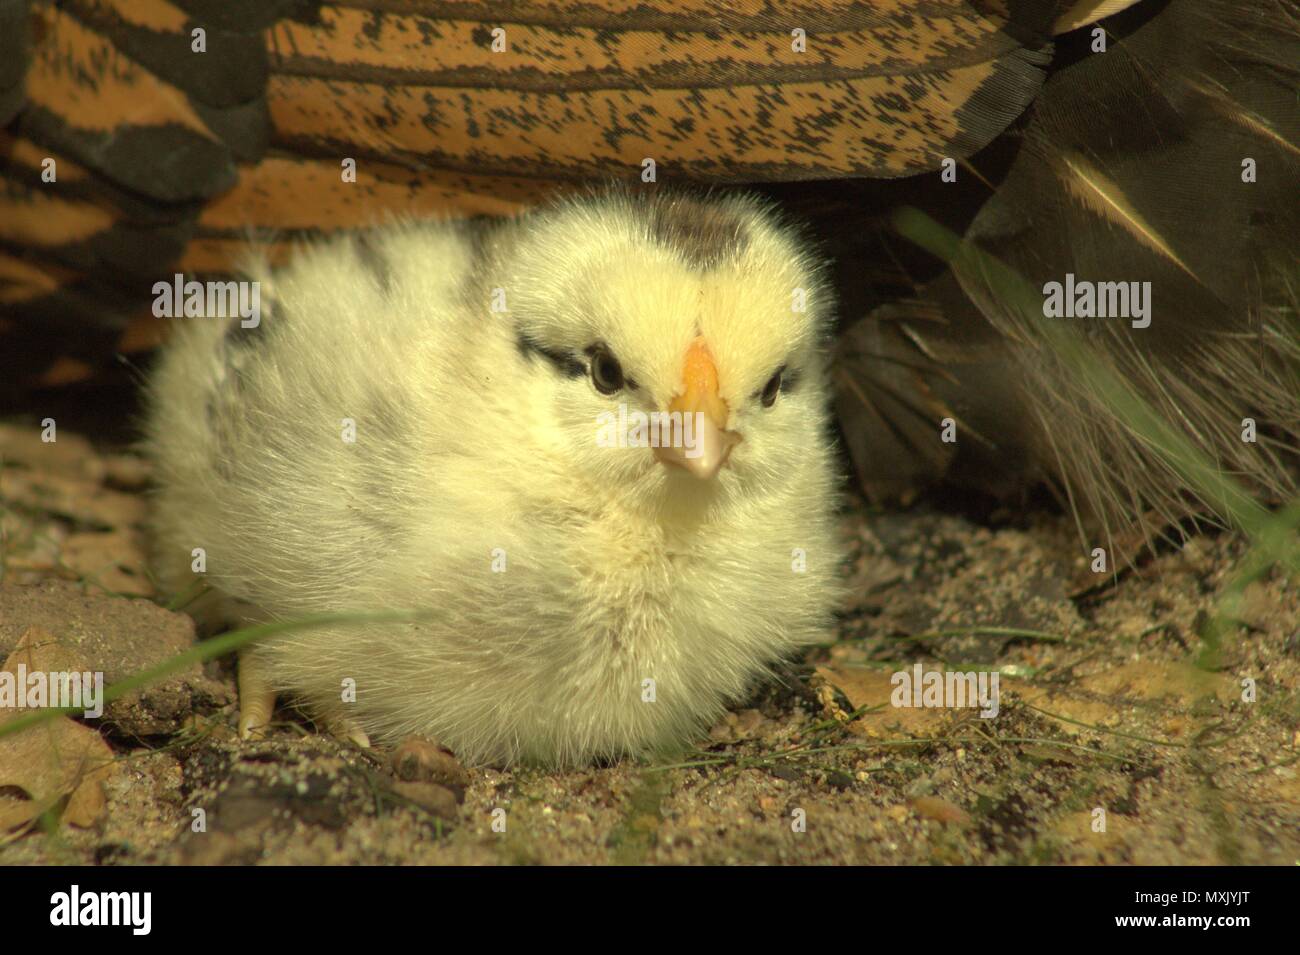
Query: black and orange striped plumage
point(1125, 161)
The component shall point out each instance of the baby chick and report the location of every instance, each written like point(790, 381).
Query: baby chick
point(444, 418)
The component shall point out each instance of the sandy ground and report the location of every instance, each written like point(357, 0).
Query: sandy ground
point(1122, 736)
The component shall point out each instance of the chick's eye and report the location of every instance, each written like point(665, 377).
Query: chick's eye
point(606, 372)
point(773, 388)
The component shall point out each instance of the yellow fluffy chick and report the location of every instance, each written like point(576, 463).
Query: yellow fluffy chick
point(444, 418)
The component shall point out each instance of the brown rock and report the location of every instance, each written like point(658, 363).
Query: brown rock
point(418, 760)
point(118, 637)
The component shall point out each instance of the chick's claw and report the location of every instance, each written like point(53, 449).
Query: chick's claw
point(344, 730)
point(256, 698)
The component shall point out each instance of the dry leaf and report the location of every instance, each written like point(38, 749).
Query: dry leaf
point(56, 759)
point(112, 561)
point(940, 810)
point(1105, 698)
point(126, 471)
point(81, 500)
point(1179, 683)
point(70, 454)
point(865, 687)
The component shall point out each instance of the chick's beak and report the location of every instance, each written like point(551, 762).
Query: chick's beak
point(706, 442)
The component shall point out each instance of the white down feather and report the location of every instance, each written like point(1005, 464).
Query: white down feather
point(618, 568)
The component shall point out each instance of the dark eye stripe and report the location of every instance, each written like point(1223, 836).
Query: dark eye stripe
point(566, 363)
